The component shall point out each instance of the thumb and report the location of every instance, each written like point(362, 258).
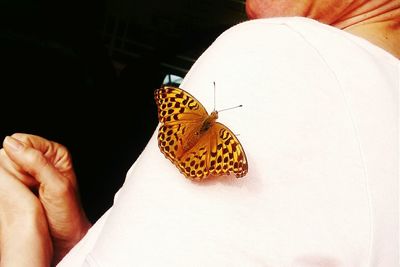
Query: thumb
point(33, 162)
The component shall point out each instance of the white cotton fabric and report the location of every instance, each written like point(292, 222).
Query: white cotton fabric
point(319, 125)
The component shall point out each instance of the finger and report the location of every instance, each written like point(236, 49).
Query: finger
point(49, 148)
point(7, 164)
point(55, 153)
point(33, 162)
point(14, 192)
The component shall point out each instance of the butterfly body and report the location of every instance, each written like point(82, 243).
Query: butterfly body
point(197, 133)
point(209, 122)
point(193, 140)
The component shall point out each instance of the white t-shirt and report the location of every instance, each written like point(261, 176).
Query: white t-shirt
point(319, 125)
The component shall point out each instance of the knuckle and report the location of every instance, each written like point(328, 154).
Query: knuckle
point(34, 157)
point(35, 162)
point(63, 157)
point(61, 148)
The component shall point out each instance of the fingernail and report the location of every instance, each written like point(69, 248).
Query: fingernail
point(13, 143)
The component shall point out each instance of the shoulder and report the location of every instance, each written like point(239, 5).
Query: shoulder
point(286, 46)
point(262, 51)
point(279, 26)
point(257, 44)
point(280, 38)
point(274, 33)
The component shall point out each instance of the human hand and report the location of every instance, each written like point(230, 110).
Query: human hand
point(46, 166)
point(24, 235)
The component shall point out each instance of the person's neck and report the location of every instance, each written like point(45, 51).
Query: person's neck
point(380, 26)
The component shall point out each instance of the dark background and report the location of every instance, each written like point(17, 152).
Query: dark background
point(82, 73)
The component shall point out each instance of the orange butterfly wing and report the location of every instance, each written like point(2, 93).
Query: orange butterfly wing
point(180, 114)
point(197, 153)
point(218, 152)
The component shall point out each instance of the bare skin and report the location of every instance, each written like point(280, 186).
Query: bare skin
point(24, 234)
point(38, 165)
point(377, 21)
point(40, 211)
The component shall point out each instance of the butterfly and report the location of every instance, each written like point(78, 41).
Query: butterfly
point(191, 139)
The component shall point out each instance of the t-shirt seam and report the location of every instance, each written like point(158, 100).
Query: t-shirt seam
point(91, 261)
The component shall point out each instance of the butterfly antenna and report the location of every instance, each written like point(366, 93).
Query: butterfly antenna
point(239, 106)
point(215, 105)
